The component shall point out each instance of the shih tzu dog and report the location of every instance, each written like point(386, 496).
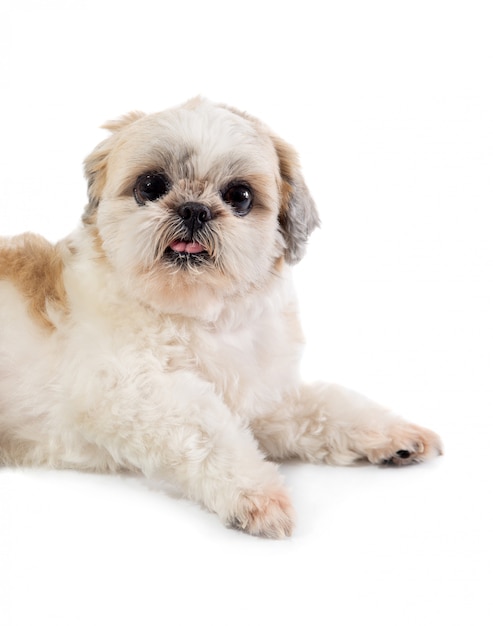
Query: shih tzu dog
point(163, 336)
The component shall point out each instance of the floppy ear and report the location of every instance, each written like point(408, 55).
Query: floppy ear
point(298, 215)
point(96, 164)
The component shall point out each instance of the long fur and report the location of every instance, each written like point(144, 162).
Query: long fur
point(117, 352)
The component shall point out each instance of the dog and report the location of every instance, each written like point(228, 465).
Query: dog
point(163, 336)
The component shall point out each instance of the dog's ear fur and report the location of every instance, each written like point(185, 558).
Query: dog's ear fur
point(96, 164)
point(298, 215)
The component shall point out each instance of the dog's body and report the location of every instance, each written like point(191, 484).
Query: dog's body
point(163, 335)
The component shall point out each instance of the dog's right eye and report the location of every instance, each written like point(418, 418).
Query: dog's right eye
point(239, 197)
point(150, 187)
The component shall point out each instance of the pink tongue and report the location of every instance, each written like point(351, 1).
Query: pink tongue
point(185, 246)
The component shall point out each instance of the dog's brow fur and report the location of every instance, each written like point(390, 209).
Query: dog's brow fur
point(34, 267)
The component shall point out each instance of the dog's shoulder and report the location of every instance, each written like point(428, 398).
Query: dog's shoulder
point(34, 267)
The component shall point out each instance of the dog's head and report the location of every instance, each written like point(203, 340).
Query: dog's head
point(196, 199)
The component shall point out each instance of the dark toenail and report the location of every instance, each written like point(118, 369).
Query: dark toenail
point(403, 454)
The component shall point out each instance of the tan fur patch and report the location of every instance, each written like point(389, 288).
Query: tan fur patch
point(125, 120)
point(297, 215)
point(34, 267)
point(288, 167)
point(96, 164)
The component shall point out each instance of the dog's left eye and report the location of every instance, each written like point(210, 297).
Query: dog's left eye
point(150, 187)
point(240, 198)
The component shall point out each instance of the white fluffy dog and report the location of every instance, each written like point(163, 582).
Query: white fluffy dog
point(162, 336)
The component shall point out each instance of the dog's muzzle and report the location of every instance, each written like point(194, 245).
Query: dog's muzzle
point(194, 216)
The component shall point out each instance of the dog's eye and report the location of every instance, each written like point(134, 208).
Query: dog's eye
point(150, 187)
point(240, 198)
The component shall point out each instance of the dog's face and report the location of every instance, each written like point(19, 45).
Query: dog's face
point(196, 204)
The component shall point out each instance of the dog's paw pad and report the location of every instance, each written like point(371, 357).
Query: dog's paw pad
point(407, 444)
point(403, 454)
point(265, 514)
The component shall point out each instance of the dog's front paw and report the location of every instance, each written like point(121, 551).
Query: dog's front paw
point(265, 514)
point(406, 444)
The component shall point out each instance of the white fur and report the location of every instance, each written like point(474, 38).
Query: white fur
point(198, 385)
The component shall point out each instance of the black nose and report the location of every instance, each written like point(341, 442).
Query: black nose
point(194, 215)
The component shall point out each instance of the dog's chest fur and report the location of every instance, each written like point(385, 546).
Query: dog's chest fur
point(255, 364)
point(250, 354)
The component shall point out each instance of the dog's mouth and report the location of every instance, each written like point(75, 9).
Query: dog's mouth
point(187, 247)
point(186, 254)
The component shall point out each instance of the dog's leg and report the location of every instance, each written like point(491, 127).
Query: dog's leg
point(224, 469)
point(328, 423)
point(181, 431)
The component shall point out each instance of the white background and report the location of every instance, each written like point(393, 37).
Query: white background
point(390, 106)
